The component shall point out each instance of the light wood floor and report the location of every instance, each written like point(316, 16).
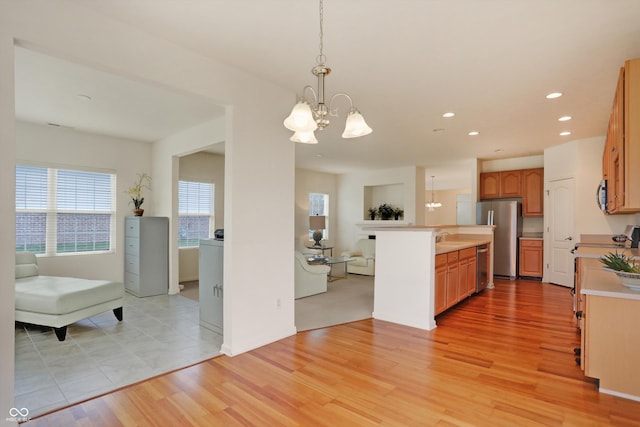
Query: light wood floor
point(502, 358)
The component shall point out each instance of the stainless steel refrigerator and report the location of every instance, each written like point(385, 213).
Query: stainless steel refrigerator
point(506, 215)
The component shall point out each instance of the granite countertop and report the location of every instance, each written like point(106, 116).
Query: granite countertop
point(599, 282)
point(456, 242)
point(595, 252)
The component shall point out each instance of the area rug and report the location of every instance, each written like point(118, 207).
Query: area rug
point(346, 300)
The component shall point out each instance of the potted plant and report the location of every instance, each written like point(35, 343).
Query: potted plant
point(135, 192)
point(397, 213)
point(385, 211)
point(372, 213)
point(625, 267)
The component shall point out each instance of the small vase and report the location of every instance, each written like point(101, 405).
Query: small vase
point(138, 212)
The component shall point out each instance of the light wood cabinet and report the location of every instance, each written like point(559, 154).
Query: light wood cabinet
point(530, 258)
point(621, 155)
point(611, 343)
point(525, 183)
point(511, 183)
point(533, 192)
point(455, 277)
point(468, 263)
point(440, 304)
point(490, 185)
point(497, 185)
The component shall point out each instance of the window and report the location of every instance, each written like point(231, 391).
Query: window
point(195, 212)
point(64, 211)
point(319, 205)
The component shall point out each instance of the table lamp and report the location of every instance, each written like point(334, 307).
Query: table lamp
point(317, 223)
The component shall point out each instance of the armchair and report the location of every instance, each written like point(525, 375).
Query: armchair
point(309, 279)
point(365, 257)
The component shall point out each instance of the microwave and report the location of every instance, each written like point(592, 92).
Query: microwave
point(601, 195)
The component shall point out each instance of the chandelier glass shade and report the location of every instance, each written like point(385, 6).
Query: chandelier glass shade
point(312, 113)
point(432, 204)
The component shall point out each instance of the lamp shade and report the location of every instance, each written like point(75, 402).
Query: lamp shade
point(301, 118)
point(356, 126)
point(317, 222)
point(304, 137)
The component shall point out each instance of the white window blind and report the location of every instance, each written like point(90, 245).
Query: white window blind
point(64, 211)
point(195, 212)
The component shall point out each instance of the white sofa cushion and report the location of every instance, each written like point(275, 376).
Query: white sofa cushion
point(26, 265)
point(61, 295)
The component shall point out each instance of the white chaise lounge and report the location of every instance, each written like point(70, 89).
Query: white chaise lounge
point(60, 301)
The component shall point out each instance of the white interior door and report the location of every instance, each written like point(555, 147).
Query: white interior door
point(560, 232)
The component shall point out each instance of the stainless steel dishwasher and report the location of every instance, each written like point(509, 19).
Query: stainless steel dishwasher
point(483, 273)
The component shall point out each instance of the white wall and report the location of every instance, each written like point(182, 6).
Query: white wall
point(582, 160)
point(351, 199)
point(7, 221)
point(447, 213)
point(528, 162)
point(258, 156)
point(63, 147)
point(201, 167)
point(315, 182)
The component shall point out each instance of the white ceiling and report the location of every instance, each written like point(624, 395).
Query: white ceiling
point(404, 63)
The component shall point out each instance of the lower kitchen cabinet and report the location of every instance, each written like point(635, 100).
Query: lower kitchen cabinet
point(530, 264)
point(440, 304)
point(455, 277)
point(468, 259)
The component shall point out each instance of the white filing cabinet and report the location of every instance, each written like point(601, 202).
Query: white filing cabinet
point(146, 255)
point(210, 286)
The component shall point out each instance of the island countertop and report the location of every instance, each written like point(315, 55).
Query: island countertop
point(600, 282)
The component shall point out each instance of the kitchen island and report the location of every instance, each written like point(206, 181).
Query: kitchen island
point(405, 275)
point(610, 329)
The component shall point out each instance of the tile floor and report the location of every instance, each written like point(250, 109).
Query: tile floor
point(158, 334)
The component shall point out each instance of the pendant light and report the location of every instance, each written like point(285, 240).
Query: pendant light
point(432, 204)
point(311, 114)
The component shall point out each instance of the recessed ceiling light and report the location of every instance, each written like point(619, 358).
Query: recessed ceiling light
point(319, 155)
point(84, 97)
point(565, 118)
point(498, 150)
point(438, 130)
point(565, 133)
point(553, 95)
point(473, 133)
point(449, 114)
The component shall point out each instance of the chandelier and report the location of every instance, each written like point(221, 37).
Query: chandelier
point(311, 114)
point(432, 204)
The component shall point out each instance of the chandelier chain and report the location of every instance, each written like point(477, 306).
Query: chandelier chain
point(321, 58)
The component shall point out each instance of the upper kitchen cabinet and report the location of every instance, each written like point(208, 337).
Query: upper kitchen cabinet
point(525, 183)
point(622, 148)
point(532, 192)
point(490, 185)
point(511, 183)
point(500, 185)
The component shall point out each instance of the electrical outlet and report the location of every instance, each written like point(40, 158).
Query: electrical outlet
point(278, 304)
